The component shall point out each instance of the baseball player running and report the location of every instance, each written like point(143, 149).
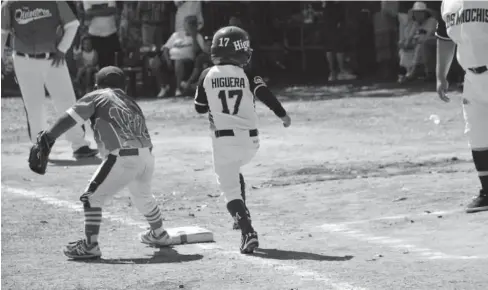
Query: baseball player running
point(465, 25)
point(120, 129)
point(39, 59)
point(227, 93)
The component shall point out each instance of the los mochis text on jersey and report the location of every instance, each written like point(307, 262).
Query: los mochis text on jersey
point(467, 16)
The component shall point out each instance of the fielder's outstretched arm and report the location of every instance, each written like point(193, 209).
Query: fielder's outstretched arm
point(445, 50)
point(78, 114)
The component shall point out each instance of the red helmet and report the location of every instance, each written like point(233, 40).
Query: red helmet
point(231, 45)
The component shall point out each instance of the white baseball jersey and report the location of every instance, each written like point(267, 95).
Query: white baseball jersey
point(227, 92)
point(466, 23)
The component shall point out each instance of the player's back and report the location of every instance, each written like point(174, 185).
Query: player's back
point(117, 120)
point(230, 98)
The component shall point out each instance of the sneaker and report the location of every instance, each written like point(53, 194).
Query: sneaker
point(81, 250)
point(345, 76)
point(332, 78)
point(85, 152)
point(479, 203)
point(149, 237)
point(162, 92)
point(178, 93)
point(249, 242)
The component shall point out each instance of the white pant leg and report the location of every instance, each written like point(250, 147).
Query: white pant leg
point(475, 109)
point(29, 73)
point(140, 188)
point(60, 87)
point(229, 155)
point(112, 176)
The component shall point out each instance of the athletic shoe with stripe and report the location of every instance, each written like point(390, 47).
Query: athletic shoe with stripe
point(149, 237)
point(479, 203)
point(81, 250)
point(249, 242)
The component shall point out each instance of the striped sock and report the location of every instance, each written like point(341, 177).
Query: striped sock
point(155, 220)
point(93, 219)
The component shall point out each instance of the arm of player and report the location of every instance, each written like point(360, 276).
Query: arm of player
point(70, 26)
point(201, 100)
point(78, 114)
point(262, 92)
point(445, 50)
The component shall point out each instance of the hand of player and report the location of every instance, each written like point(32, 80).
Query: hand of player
point(58, 58)
point(184, 85)
point(442, 87)
point(286, 121)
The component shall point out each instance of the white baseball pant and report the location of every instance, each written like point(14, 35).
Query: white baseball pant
point(475, 109)
point(230, 153)
point(32, 74)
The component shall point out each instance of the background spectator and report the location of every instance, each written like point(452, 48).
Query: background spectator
point(87, 65)
point(178, 55)
point(102, 20)
point(335, 40)
point(185, 9)
point(156, 24)
point(202, 62)
point(417, 43)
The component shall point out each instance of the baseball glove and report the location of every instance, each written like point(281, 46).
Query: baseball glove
point(39, 153)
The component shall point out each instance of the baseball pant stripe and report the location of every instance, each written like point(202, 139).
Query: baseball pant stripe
point(101, 175)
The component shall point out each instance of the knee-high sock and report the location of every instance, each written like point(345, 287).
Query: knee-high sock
point(243, 193)
point(155, 220)
point(480, 159)
point(237, 210)
point(93, 219)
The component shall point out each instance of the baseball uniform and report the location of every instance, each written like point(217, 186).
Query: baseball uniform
point(465, 23)
point(36, 27)
point(120, 130)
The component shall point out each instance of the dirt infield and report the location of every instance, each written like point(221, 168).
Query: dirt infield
point(363, 191)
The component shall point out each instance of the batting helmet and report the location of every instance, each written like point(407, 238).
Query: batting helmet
point(231, 45)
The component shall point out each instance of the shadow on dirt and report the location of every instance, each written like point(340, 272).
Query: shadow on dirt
point(74, 162)
point(294, 255)
point(162, 256)
point(330, 171)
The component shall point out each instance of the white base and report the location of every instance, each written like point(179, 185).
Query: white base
point(190, 235)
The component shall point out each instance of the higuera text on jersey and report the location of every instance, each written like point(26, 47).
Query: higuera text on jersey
point(466, 23)
point(228, 93)
point(116, 119)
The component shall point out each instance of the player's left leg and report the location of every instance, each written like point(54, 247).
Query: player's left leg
point(476, 117)
point(235, 226)
point(60, 87)
point(145, 202)
point(112, 176)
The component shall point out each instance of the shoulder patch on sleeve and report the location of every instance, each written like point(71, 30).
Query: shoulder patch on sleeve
point(259, 80)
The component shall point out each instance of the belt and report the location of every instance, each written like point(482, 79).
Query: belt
point(46, 55)
point(227, 133)
point(131, 151)
point(478, 70)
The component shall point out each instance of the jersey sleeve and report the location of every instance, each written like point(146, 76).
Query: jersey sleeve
point(201, 100)
point(441, 30)
point(6, 18)
point(66, 15)
point(261, 91)
point(84, 108)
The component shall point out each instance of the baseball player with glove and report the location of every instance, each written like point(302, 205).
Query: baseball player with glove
point(227, 93)
point(120, 129)
point(465, 25)
point(39, 60)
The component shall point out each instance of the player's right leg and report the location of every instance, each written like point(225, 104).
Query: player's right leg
point(145, 202)
point(476, 117)
point(29, 74)
point(111, 176)
point(242, 182)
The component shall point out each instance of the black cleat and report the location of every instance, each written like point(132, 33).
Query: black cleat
point(249, 242)
point(479, 203)
point(85, 152)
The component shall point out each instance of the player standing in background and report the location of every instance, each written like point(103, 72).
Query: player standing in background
point(120, 129)
point(465, 25)
point(228, 94)
point(39, 59)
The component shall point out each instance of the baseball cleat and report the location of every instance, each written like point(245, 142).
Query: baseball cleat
point(85, 152)
point(148, 237)
point(479, 203)
point(81, 250)
point(249, 242)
